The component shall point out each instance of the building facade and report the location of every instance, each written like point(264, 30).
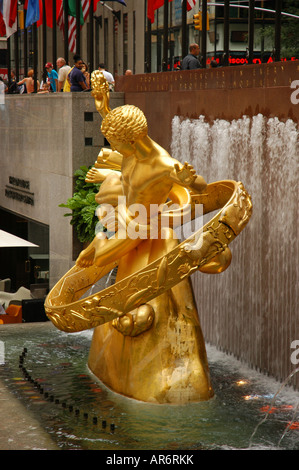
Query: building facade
point(122, 38)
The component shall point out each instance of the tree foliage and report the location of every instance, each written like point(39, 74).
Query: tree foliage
point(290, 30)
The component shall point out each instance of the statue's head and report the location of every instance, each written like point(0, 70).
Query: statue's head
point(126, 124)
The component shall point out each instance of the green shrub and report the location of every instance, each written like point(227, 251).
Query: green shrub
point(83, 206)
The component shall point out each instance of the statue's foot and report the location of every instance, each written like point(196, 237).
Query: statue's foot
point(92, 254)
point(91, 176)
point(86, 257)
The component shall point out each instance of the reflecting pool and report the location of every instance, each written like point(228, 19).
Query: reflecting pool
point(47, 371)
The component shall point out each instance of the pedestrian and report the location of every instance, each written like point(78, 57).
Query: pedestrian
point(191, 62)
point(109, 77)
point(213, 64)
point(86, 74)
point(128, 72)
point(12, 87)
point(29, 82)
point(45, 88)
point(63, 70)
point(53, 76)
point(77, 79)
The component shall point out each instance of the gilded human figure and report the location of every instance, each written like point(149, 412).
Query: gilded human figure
point(145, 176)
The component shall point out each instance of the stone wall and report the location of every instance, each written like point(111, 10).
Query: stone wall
point(216, 93)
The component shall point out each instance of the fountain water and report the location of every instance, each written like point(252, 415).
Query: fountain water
point(256, 319)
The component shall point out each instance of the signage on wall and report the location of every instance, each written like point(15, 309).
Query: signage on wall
point(19, 190)
point(235, 60)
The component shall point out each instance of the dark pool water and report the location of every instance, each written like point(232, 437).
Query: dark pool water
point(50, 377)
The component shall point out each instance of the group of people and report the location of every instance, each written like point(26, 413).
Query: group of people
point(73, 79)
point(77, 78)
point(66, 79)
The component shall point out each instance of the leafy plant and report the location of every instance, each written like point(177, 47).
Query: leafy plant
point(83, 206)
point(289, 30)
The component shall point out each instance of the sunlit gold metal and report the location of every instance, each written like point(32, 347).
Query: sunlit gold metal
point(147, 342)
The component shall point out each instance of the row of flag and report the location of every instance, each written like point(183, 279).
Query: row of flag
point(34, 14)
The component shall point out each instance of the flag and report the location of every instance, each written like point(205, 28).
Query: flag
point(190, 4)
point(10, 16)
point(72, 20)
point(41, 10)
point(95, 5)
point(32, 15)
point(72, 9)
point(49, 12)
point(152, 6)
point(2, 24)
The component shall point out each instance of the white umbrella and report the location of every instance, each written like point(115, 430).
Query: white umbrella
point(9, 240)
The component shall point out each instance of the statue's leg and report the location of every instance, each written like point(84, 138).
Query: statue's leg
point(167, 362)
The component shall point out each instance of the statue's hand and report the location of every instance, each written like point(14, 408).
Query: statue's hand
point(104, 154)
point(100, 92)
point(99, 82)
point(185, 174)
point(100, 97)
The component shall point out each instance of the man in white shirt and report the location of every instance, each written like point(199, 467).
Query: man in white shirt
point(63, 70)
point(109, 77)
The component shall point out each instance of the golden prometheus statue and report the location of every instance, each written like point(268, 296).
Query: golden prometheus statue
point(147, 342)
